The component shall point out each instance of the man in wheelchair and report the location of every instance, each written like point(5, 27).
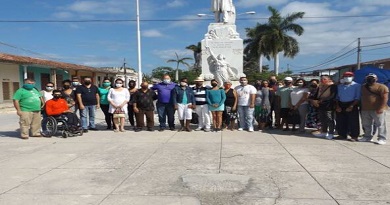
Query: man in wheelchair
point(58, 109)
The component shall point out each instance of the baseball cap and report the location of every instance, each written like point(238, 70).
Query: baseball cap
point(372, 75)
point(288, 79)
point(348, 74)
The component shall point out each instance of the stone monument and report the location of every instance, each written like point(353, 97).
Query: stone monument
point(222, 47)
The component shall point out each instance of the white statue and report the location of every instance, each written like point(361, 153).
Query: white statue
point(220, 68)
point(226, 8)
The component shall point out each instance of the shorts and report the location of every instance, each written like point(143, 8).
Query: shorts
point(284, 112)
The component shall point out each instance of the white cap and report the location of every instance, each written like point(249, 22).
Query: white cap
point(288, 79)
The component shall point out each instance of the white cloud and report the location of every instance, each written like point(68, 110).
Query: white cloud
point(170, 54)
point(63, 15)
point(373, 2)
point(175, 3)
point(152, 33)
point(252, 3)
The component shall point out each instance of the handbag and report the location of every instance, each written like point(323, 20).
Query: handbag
point(119, 113)
point(293, 117)
point(194, 119)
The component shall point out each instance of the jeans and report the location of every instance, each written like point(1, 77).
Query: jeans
point(245, 115)
point(203, 116)
point(165, 110)
point(370, 117)
point(303, 109)
point(327, 121)
point(88, 112)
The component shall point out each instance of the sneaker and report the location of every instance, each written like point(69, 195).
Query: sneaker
point(93, 128)
point(198, 129)
point(150, 129)
point(250, 129)
point(320, 134)
point(381, 142)
point(161, 129)
point(172, 129)
point(329, 136)
point(218, 130)
point(85, 130)
point(240, 129)
point(206, 130)
point(365, 139)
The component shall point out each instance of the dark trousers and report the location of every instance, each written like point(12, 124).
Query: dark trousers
point(141, 121)
point(327, 121)
point(108, 117)
point(165, 110)
point(131, 113)
point(348, 122)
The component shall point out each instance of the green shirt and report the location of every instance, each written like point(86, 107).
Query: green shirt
point(103, 92)
point(29, 100)
point(284, 93)
point(185, 99)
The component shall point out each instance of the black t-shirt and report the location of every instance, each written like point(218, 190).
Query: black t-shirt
point(145, 100)
point(88, 95)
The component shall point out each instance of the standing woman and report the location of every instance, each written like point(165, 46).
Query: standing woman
point(216, 99)
point(262, 105)
point(298, 100)
point(69, 94)
point(229, 115)
point(104, 104)
point(312, 118)
point(118, 98)
point(132, 91)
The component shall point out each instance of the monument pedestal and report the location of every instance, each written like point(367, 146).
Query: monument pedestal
point(222, 48)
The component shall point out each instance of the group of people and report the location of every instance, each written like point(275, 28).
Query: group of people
point(287, 105)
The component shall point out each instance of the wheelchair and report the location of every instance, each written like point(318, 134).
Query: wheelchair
point(51, 125)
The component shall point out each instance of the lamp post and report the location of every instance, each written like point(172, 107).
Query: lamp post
point(125, 71)
point(139, 46)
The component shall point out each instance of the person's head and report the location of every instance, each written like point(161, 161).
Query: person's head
point(265, 83)
point(227, 85)
point(288, 81)
point(66, 84)
point(348, 77)
point(325, 79)
point(184, 82)
point(119, 83)
point(220, 57)
point(144, 85)
point(243, 81)
point(199, 81)
point(106, 83)
point(313, 83)
point(57, 94)
point(75, 81)
point(214, 83)
point(272, 80)
point(166, 79)
point(300, 83)
point(132, 84)
point(371, 78)
point(29, 84)
point(87, 80)
point(258, 82)
point(49, 86)
point(280, 84)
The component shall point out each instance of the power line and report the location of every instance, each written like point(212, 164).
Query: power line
point(378, 44)
point(376, 48)
point(26, 50)
point(375, 37)
point(339, 52)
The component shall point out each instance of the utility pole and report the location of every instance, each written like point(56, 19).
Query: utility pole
point(358, 54)
point(139, 46)
point(125, 71)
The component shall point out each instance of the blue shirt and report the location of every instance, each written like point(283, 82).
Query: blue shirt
point(348, 92)
point(164, 91)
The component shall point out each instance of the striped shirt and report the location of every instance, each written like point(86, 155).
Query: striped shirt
point(200, 95)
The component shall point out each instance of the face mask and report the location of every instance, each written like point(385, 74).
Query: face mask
point(118, 85)
point(287, 82)
point(370, 81)
point(313, 85)
point(57, 96)
point(28, 86)
point(214, 84)
point(87, 82)
point(244, 82)
point(348, 79)
point(49, 88)
point(66, 87)
point(300, 84)
point(106, 84)
point(167, 81)
point(183, 84)
point(75, 83)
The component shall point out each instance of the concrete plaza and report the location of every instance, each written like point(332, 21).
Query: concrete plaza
point(232, 167)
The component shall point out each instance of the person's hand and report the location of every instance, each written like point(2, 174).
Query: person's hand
point(176, 107)
point(19, 113)
point(194, 107)
point(68, 111)
point(81, 107)
point(349, 109)
point(215, 105)
point(315, 103)
point(97, 106)
point(136, 110)
point(234, 109)
point(338, 109)
point(252, 105)
point(379, 111)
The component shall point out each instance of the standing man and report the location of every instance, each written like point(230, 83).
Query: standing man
point(28, 103)
point(347, 110)
point(224, 7)
point(89, 100)
point(374, 107)
point(202, 109)
point(165, 108)
point(184, 101)
point(143, 106)
point(284, 97)
point(246, 104)
point(275, 102)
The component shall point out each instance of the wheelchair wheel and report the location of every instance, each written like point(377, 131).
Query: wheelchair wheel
point(49, 127)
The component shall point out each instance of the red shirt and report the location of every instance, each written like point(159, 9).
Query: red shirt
point(56, 107)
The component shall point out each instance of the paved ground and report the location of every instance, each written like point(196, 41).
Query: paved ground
point(168, 167)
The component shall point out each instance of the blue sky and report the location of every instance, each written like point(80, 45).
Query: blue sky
point(106, 44)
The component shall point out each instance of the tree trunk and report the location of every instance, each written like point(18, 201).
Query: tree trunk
point(177, 73)
point(276, 64)
point(261, 64)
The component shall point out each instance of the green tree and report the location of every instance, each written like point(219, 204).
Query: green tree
point(272, 38)
point(179, 61)
point(197, 50)
point(162, 70)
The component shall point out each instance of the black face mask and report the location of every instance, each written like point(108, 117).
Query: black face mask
point(131, 85)
point(371, 81)
point(214, 84)
point(313, 85)
point(87, 82)
point(57, 96)
point(66, 86)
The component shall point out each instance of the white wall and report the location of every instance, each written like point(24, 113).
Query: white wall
point(8, 73)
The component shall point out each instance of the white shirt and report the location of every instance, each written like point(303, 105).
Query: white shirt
point(244, 93)
point(47, 95)
point(297, 94)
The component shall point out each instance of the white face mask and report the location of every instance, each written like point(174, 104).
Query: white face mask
point(118, 85)
point(167, 81)
point(348, 79)
point(183, 84)
point(49, 88)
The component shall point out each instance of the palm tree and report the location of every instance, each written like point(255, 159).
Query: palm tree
point(254, 50)
point(179, 61)
point(197, 49)
point(272, 38)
